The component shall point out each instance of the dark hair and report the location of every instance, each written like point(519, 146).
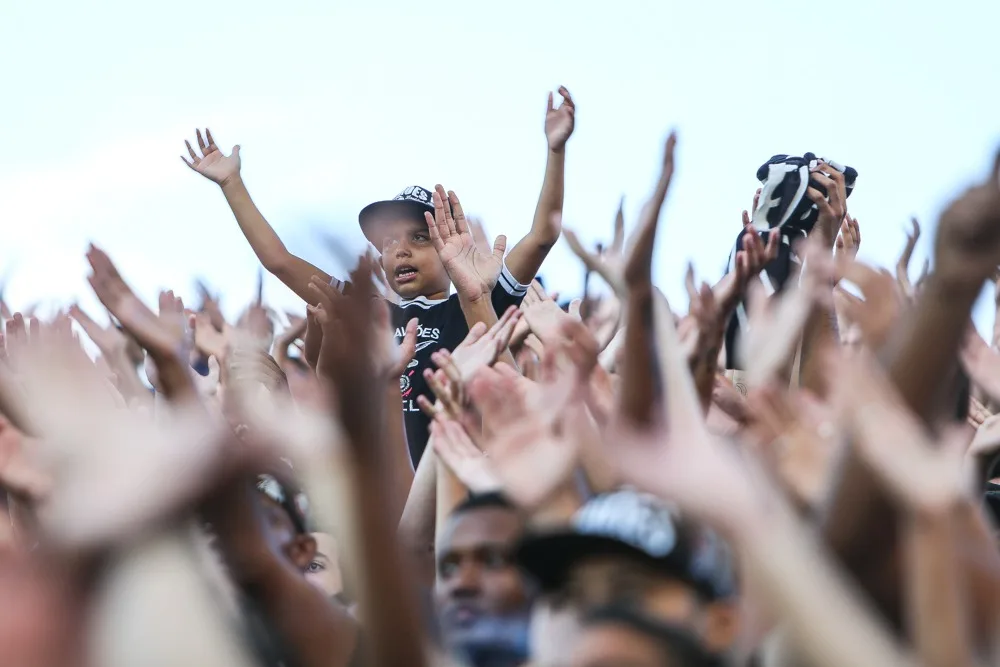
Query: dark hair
point(495, 499)
point(676, 644)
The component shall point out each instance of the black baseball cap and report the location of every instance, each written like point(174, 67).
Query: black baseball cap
point(414, 201)
point(638, 526)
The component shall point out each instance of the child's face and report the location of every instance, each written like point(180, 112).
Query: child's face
point(411, 263)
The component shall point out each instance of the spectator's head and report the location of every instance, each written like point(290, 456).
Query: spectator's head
point(627, 549)
point(323, 571)
point(480, 595)
point(620, 636)
point(398, 229)
point(284, 520)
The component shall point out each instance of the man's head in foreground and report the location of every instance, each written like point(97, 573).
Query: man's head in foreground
point(619, 636)
point(480, 595)
point(628, 550)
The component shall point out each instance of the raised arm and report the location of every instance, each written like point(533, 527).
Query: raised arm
point(527, 256)
point(919, 356)
point(224, 170)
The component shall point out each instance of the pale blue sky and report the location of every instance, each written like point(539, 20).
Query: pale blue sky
point(337, 104)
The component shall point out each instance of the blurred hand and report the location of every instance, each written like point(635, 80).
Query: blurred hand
point(967, 246)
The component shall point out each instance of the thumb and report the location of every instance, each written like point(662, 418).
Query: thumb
point(213, 368)
point(236, 151)
point(574, 308)
point(500, 246)
point(409, 344)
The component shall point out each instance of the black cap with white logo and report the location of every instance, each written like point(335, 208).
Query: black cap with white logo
point(411, 202)
point(635, 525)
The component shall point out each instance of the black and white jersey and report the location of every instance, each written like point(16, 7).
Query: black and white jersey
point(441, 326)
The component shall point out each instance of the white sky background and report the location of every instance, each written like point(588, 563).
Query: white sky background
point(337, 104)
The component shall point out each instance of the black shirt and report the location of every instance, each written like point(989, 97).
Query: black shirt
point(441, 325)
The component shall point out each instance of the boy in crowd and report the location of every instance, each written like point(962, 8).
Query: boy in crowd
point(426, 245)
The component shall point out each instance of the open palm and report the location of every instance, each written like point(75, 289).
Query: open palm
point(212, 164)
point(473, 272)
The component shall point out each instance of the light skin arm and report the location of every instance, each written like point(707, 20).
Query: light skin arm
point(223, 170)
point(416, 527)
point(826, 618)
point(828, 621)
point(939, 615)
point(821, 328)
point(400, 466)
point(926, 480)
point(527, 256)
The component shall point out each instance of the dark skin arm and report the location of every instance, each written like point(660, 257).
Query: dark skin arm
point(387, 601)
point(318, 633)
point(639, 384)
point(918, 357)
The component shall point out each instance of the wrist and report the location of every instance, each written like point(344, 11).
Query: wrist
point(232, 182)
point(557, 152)
point(951, 287)
point(476, 298)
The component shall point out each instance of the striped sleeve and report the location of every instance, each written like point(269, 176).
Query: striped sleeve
point(510, 284)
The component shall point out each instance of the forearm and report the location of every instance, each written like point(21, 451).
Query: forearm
point(174, 377)
point(543, 228)
point(922, 353)
point(820, 331)
point(416, 527)
point(918, 358)
point(936, 599)
point(704, 364)
point(527, 256)
point(638, 387)
point(820, 334)
point(388, 604)
point(450, 494)
point(293, 271)
point(400, 467)
point(829, 623)
point(980, 563)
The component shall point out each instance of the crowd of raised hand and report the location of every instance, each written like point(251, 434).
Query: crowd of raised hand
point(437, 462)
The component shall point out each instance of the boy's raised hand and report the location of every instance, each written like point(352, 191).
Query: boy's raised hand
point(212, 164)
point(473, 272)
point(559, 121)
